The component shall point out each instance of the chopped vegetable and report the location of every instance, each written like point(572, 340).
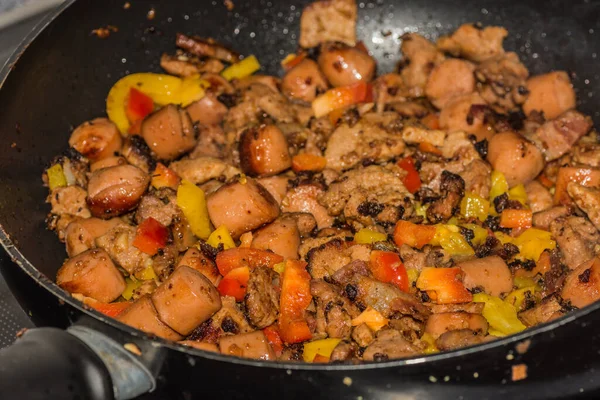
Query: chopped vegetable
point(444, 285)
point(56, 177)
point(161, 88)
point(308, 162)
point(322, 347)
point(413, 275)
point(431, 347)
point(291, 60)
point(517, 297)
point(583, 175)
point(412, 234)
point(533, 242)
point(235, 283)
point(386, 266)
point(191, 200)
point(474, 206)
point(150, 236)
point(479, 234)
point(164, 177)
point(146, 274)
point(274, 339)
point(501, 316)
point(221, 236)
point(521, 282)
point(411, 181)
point(499, 185)
point(451, 240)
point(518, 193)
point(279, 267)
point(542, 265)
point(373, 318)
point(294, 299)
point(427, 147)
point(369, 236)
point(245, 257)
point(110, 309)
point(340, 97)
point(521, 219)
point(242, 69)
point(138, 106)
point(132, 285)
point(431, 121)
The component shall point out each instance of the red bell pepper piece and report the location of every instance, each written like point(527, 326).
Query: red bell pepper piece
point(138, 106)
point(235, 283)
point(164, 177)
point(386, 266)
point(150, 236)
point(412, 181)
point(110, 309)
point(245, 257)
point(295, 298)
point(274, 339)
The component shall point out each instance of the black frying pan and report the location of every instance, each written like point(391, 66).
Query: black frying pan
point(61, 78)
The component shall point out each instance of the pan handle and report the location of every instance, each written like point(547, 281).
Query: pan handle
point(79, 363)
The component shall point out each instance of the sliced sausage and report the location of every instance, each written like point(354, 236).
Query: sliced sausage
point(281, 236)
point(438, 324)
point(143, 316)
point(169, 132)
point(195, 259)
point(241, 207)
point(490, 273)
point(264, 151)
point(304, 81)
point(451, 78)
point(276, 185)
point(116, 190)
point(207, 111)
point(343, 65)
point(96, 139)
point(93, 274)
point(458, 114)
point(582, 286)
point(81, 233)
point(137, 153)
point(550, 93)
point(518, 159)
point(458, 338)
point(247, 345)
point(186, 299)
point(107, 162)
point(200, 345)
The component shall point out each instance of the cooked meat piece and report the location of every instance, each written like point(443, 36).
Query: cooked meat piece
point(143, 316)
point(489, 273)
point(272, 82)
point(69, 200)
point(276, 185)
point(247, 345)
point(334, 311)
point(327, 258)
point(200, 345)
point(96, 139)
point(577, 239)
point(473, 308)
point(264, 151)
point(92, 274)
point(367, 139)
point(587, 199)
point(305, 222)
point(108, 162)
point(280, 236)
point(185, 65)
point(390, 89)
point(345, 350)
point(169, 132)
point(410, 328)
point(412, 258)
point(416, 135)
point(262, 299)
point(466, 112)
point(420, 56)
point(477, 178)
point(348, 274)
point(550, 93)
point(229, 319)
point(474, 43)
point(437, 324)
point(117, 242)
point(206, 47)
point(185, 300)
point(549, 309)
point(241, 207)
point(456, 339)
point(183, 237)
point(582, 286)
point(556, 137)
point(343, 65)
point(459, 146)
point(304, 81)
point(518, 159)
point(450, 78)
point(452, 189)
point(587, 153)
point(303, 198)
point(438, 257)
point(538, 197)
point(388, 345)
point(116, 190)
point(543, 219)
point(207, 111)
point(81, 233)
point(196, 259)
point(363, 335)
point(202, 169)
point(328, 20)
point(412, 109)
point(160, 204)
point(502, 81)
point(137, 153)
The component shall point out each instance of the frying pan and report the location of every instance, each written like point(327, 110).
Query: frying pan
point(60, 76)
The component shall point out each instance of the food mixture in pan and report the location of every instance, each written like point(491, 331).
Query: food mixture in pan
point(333, 214)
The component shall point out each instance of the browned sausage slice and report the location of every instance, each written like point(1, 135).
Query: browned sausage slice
point(582, 286)
point(143, 316)
point(517, 158)
point(200, 345)
point(96, 139)
point(281, 236)
point(343, 65)
point(92, 274)
point(438, 324)
point(194, 259)
point(304, 81)
point(169, 132)
point(490, 273)
point(550, 93)
point(247, 345)
point(264, 151)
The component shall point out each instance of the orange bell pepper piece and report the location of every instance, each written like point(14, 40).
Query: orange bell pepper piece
point(230, 259)
point(413, 235)
point(427, 147)
point(294, 299)
point(308, 162)
point(444, 285)
point(164, 177)
point(110, 309)
point(521, 219)
point(340, 97)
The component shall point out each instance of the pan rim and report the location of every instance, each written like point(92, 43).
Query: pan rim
point(26, 266)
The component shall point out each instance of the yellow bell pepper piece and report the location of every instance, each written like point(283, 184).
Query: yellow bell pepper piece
point(323, 347)
point(521, 282)
point(501, 316)
point(242, 69)
point(373, 318)
point(131, 286)
point(56, 177)
point(431, 347)
point(191, 200)
point(163, 89)
point(420, 209)
point(499, 185)
point(368, 236)
point(146, 274)
point(413, 275)
point(533, 242)
point(279, 267)
point(474, 206)
point(221, 236)
point(450, 239)
point(518, 193)
point(480, 234)
point(516, 298)
point(503, 237)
